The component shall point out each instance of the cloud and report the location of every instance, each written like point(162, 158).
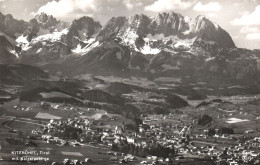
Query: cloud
point(101, 10)
point(167, 5)
point(248, 19)
point(248, 29)
point(253, 36)
point(63, 8)
point(58, 8)
point(130, 4)
point(85, 5)
point(209, 7)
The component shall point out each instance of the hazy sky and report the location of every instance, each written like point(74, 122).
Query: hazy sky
point(240, 18)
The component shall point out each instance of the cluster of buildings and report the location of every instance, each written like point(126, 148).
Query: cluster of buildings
point(148, 136)
point(21, 108)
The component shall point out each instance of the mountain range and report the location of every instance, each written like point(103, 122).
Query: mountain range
point(170, 45)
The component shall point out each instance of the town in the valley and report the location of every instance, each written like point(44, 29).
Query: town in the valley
point(92, 135)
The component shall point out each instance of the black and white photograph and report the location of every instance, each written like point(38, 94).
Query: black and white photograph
point(107, 82)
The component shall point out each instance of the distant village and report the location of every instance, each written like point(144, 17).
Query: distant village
point(157, 143)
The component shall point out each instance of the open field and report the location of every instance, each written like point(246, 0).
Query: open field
point(71, 153)
point(47, 116)
point(36, 110)
point(54, 94)
point(140, 81)
point(23, 126)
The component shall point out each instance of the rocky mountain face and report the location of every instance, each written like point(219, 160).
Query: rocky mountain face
point(56, 40)
point(11, 26)
point(42, 23)
point(24, 35)
point(8, 51)
point(81, 30)
point(170, 29)
point(164, 45)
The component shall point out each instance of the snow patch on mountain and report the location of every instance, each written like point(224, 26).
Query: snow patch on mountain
point(147, 49)
point(209, 59)
point(170, 50)
point(51, 37)
point(39, 50)
point(155, 37)
point(129, 37)
point(14, 53)
point(77, 50)
point(184, 42)
point(26, 47)
point(22, 39)
point(85, 38)
point(89, 41)
point(177, 43)
point(81, 51)
point(216, 25)
point(161, 36)
point(55, 36)
point(175, 39)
